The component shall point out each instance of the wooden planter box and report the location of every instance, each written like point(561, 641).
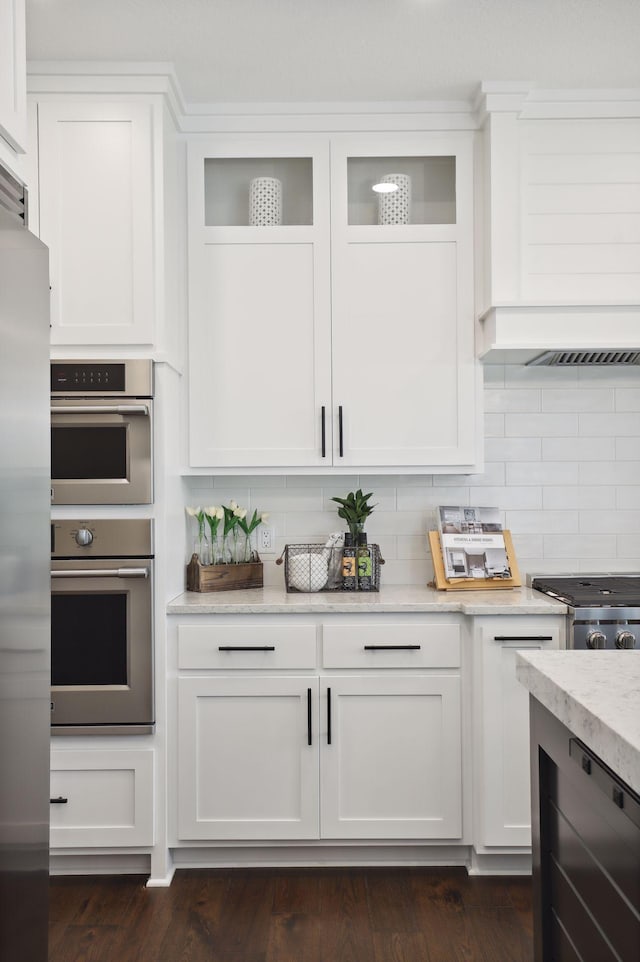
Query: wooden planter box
point(223, 577)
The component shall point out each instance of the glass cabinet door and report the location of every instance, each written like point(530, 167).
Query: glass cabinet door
point(258, 191)
point(401, 190)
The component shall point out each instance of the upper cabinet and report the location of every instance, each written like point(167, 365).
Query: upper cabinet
point(560, 254)
point(96, 216)
point(13, 76)
point(107, 208)
point(331, 302)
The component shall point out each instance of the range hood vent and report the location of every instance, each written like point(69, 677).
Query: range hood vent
point(607, 358)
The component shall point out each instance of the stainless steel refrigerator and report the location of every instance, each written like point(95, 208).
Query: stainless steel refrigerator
point(24, 584)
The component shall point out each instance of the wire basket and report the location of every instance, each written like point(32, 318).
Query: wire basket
point(314, 567)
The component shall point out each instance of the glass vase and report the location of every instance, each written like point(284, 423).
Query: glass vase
point(248, 551)
point(201, 547)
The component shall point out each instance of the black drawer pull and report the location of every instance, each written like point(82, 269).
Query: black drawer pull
point(246, 647)
point(392, 647)
point(308, 716)
point(523, 637)
point(58, 801)
point(618, 796)
point(328, 716)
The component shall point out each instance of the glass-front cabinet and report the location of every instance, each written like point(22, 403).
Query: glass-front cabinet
point(331, 302)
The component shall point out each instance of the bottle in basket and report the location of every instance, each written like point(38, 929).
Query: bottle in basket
point(364, 563)
point(348, 564)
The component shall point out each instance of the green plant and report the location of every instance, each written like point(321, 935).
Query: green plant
point(355, 509)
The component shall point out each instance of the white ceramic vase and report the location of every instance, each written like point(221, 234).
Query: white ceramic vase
point(395, 207)
point(265, 202)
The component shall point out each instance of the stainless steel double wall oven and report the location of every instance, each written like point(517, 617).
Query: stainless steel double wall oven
point(102, 569)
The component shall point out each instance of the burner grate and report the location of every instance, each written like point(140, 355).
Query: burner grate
point(592, 591)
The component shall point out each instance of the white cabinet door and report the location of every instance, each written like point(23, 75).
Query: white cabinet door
point(248, 758)
point(348, 345)
point(404, 375)
point(504, 803)
point(96, 215)
point(259, 325)
point(13, 74)
point(391, 757)
point(101, 798)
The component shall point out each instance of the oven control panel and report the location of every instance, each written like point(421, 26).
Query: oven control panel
point(102, 538)
point(86, 378)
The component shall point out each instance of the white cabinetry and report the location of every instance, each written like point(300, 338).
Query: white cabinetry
point(95, 162)
point(13, 80)
point(502, 800)
point(101, 798)
point(315, 753)
point(560, 264)
point(332, 343)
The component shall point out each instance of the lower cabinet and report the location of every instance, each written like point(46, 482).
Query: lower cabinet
point(101, 798)
point(502, 799)
point(390, 760)
point(363, 754)
point(248, 758)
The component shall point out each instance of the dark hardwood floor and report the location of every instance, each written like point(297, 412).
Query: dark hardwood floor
point(295, 915)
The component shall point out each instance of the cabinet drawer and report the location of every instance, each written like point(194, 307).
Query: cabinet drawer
point(391, 646)
point(246, 646)
point(101, 798)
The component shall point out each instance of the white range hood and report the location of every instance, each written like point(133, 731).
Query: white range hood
point(585, 334)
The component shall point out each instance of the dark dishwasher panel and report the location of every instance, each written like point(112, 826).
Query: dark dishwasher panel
point(586, 855)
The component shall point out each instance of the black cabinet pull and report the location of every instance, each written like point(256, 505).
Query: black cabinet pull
point(523, 637)
point(323, 428)
point(246, 647)
point(58, 801)
point(308, 716)
point(341, 445)
point(392, 647)
point(328, 716)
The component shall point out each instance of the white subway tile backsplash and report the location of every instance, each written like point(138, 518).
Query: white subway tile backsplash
point(512, 449)
point(610, 522)
point(576, 496)
point(540, 425)
point(628, 497)
point(612, 472)
point(628, 449)
point(575, 546)
point(609, 425)
point(498, 401)
point(562, 458)
point(512, 497)
point(627, 399)
point(521, 376)
point(577, 400)
point(542, 522)
point(542, 472)
point(494, 425)
point(578, 449)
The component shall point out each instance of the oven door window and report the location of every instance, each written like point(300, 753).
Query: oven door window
point(89, 644)
point(89, 452)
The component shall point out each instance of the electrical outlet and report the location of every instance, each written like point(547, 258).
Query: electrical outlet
point(265, 539)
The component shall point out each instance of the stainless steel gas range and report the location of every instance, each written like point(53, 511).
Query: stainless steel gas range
point(604, 610)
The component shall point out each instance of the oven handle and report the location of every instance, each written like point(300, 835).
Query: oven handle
point(106, 409)
point(101, 573)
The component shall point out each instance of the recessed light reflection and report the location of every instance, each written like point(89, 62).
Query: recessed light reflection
point(386, 188)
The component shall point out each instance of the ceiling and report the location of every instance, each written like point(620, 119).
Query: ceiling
point(227, 51)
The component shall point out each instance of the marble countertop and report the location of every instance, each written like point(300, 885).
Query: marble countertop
point(392, 598)
point(597, 696)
